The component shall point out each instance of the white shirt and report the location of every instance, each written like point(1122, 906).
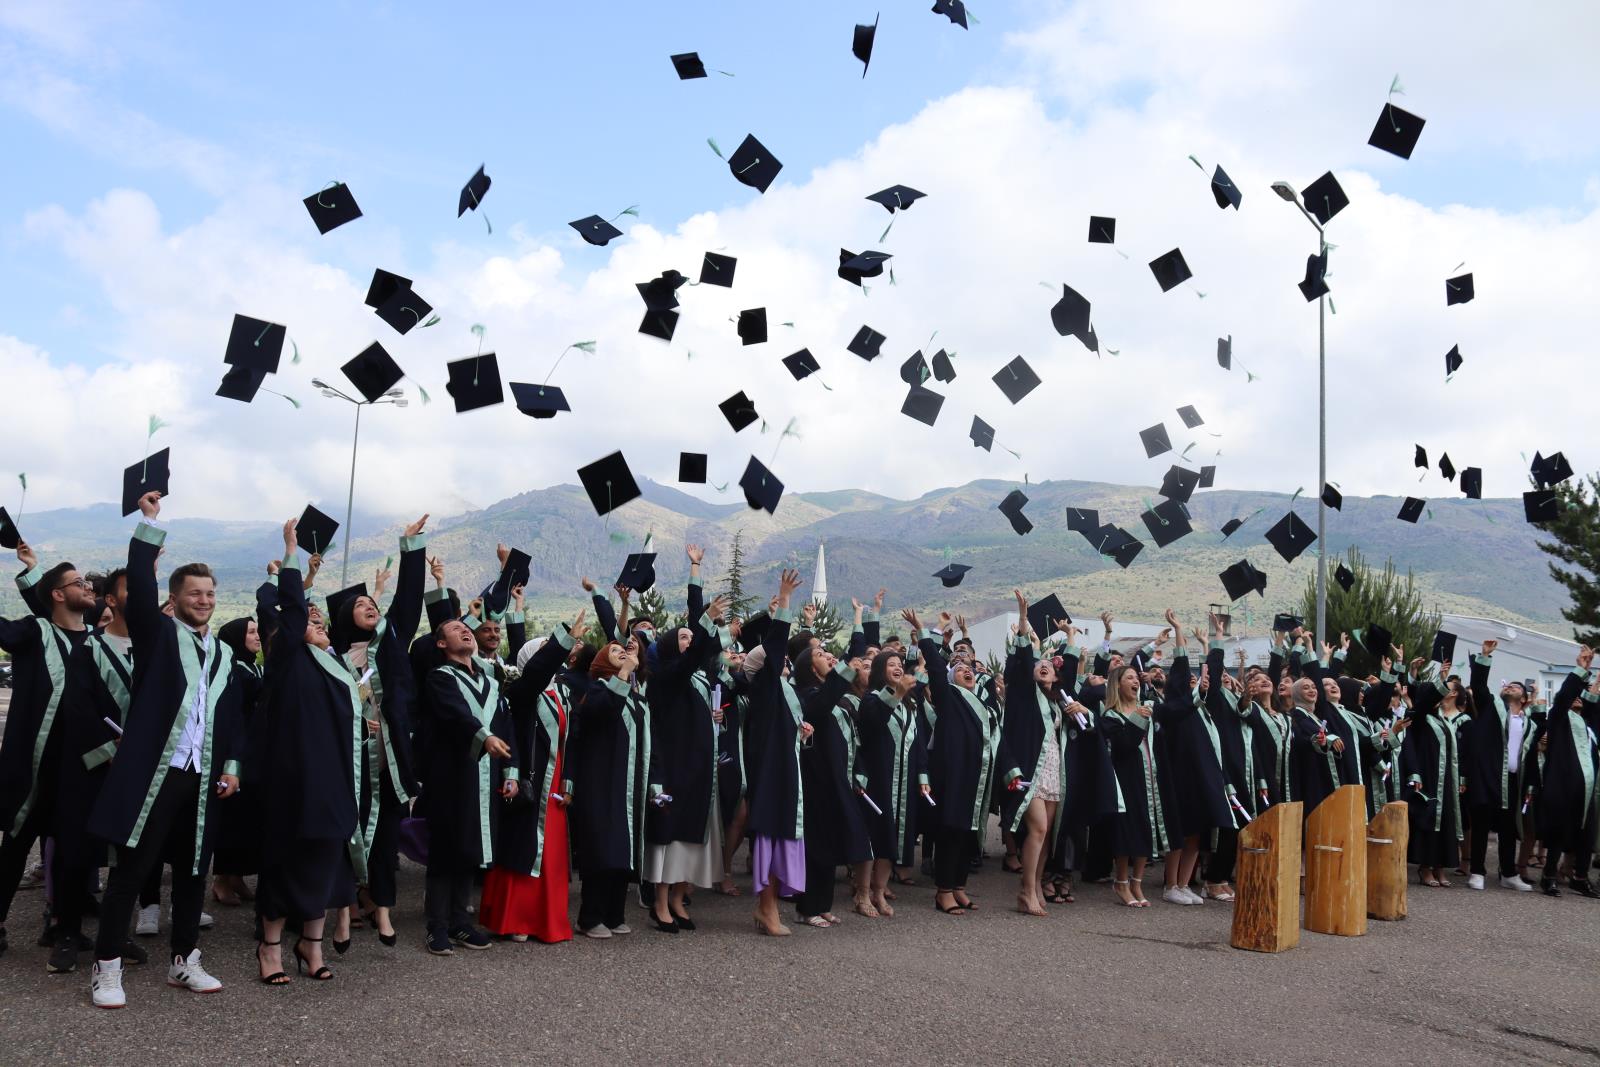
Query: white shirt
point(186, 757)
point(1515, 724)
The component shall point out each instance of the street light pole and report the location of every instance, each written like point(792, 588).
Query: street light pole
point(393, 396)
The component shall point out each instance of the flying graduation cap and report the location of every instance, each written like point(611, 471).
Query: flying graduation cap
point(1550, 470)
point(254, 344)
point(1290, 536)
point(1044, 614)
point(1208, 476)
point(314, 531)
point(661, 293)
point(1421, 458)
point(1082, 520)
point(609, 483)
point(896, 197)
point(1011, 507)
point(373, 372)
point(151, 474)
point(1411, 509)
point(1179, 483)
point(950, 574)
point(1325, 198)
point(1447, 470)
point(762, 489)
point(1225, 352)
point(241, 383)
point(753, 165)
point(1016, 379)
point(662, 324)
point(1230, 526)
point(1191, 418)
point(753, 326)
point(943, 369)
point(982, 434)
point(861, 44)
point(1397, 131)
point(1315, 283)
point(1102, 230)
point(474, 382)
point(596, 230)
point(739, 410)
point(1452, 360)
point(914, 371)
point(638, 572)
point(1243, 578)
point(1472, 483)
point(473, 192)
point(867, 343)
point(1070, 317)
point(1167, 522)
point(1170, 270)
point(1458, 290)
point(539, 401)
point(692, 468)
point(332, 207)
point(1119, 544)
point(954, 10)
point(1155, 440)
point(923, 405)
point(1332, 498)
point(802, 364)
point(688, 65)
point(1345, 577)
point(854, 266)
point(1541, 505)
point(1226, 193)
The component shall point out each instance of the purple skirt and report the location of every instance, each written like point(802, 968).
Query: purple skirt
point(781, 861)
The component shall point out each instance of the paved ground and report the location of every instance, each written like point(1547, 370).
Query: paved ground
point(1468, 978)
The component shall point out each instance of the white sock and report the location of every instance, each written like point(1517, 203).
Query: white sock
point(110, 965)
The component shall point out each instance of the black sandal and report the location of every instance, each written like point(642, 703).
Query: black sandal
point(321, 974)
point(953, 909)
point(276, 977)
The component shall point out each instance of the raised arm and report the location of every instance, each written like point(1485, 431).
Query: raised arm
point(292, 611)
point(144, 603)
point(697, 593)
point(405, 611)
point(604, 614)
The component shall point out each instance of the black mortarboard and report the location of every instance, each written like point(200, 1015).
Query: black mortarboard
point(717, 269)
point(513, 572)
point(954, 10)
point(923, 405)
point(1375, 639)
point(753, 326)
point(762, 490)
point(1243, 578)
point(442, 611)
point(1011, 507)
point(1444, 648)
point(1550, 470)
point(1458, 290)
point(475, 382)
point(1180, 483)
point(1541, 505)
point(241, 383)
point(801, 364)
point(1324, 198)
point(1447, 470)
point(1016, 379)
point(1167, 521)
point(1344, 576)
point(688, 65)
point(896, 197)
point(9, 537)
point(739, 410)
point(473, 192)
point(404, 310)
point(950, 574)
point(1191, 418)
point(1170, 269)
point(638, 572)
point(1315, 283)
point(315, 531)
point(1082, 519)
point(982, 434)
point(1452, 360)
point(332, 207)
point(1472, 483)
point(1411, 509)
point(1397, 131)
point(692, 467)
point(1121, 546)
point(1070, 317)
point(661, 293)
point(867, 343)
point(373, 372)
point(609, 483)
point(854, 266)
point(540, 401)
point(337, 600)
point(1225, 352)
point(1421, 458)
point(1332, 498)
point(596, 230)
point(660, 324)
point(1283, 623)
point(255, 344)
point(1230, 526)
point(1208, 476)
point(384, 285)
point(1044, 614)
point(1290, 536)
point(1155, 440)
point(914, 371)
point(943, 369)
point(148, 475)
point(861, 44)
point(753, 165)
point(1102, 230)
point(1227, 193)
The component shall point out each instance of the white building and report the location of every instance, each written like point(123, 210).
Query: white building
point(819, 581)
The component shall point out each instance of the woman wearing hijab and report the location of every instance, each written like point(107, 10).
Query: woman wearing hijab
point(238, 839)
point(607, 826)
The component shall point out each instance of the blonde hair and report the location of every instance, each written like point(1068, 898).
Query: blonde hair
point(1114, 688)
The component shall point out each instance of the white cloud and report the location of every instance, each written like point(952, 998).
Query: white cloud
point(1011, 183)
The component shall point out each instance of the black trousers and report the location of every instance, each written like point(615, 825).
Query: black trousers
point(952, 858)
point(169, 835)
point(1580, 864)
point(383, 864)
point(73, 875)
point(817, 898)
point(1219, 867)
point(445, 895)
point(604, 899)
point(14, 850)
point(1503, 821)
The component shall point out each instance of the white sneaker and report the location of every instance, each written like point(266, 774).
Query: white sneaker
point(1474, 881)
point(186, 973)
point(1175, 895)
point(1516, 882)
point(598, 931)
point(206, 920)
point(1194, 898)
point(149, 923)
point(105, 984)
point(622, 928)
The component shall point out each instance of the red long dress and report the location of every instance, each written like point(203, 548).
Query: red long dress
point(517, 903)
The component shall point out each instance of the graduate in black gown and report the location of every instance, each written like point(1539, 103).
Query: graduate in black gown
point(835, 816)
point(1569, 802)
point(894, 760)
point(1432, 783)
point(239, 837)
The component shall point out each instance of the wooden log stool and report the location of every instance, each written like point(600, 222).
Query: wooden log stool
point(1266, 907)
point(1336, 864)
point(1388, 835)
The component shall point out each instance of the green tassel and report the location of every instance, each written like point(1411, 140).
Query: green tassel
point(584, 346)
point(618, 538)
point(631, 209)
point(1197, 163)
point(723, 488)
point(296, 357)
point(388, 562)
point(155, 424)
point(426, 399)
point(432, 321)
point(1396, 87)
point(715, 148)
point(23, 478)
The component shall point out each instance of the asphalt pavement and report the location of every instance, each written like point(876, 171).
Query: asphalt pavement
point(1469, 977)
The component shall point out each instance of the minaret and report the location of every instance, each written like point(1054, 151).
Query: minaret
point(819, 582)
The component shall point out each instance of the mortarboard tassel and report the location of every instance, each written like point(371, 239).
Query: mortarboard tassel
point(712, 141)
point(476, 207)
point(296, 357)
point(155, 424)
point(586, 347)
point(23, 478)
point(286, 396)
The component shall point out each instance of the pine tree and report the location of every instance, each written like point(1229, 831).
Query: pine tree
point(740, 603)
point(1380, 597)
point(830, 627)
point(1575, 540)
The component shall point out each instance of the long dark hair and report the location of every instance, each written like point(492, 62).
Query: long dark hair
point(878, 676)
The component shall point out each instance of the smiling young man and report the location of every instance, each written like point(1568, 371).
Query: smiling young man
point(176, 760)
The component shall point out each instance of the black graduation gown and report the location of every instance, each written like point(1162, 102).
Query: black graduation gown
point(893, 758)
point(1140, 826)
point(960, 756)
point(1029, 723)
point(99, 685)
point(1271, 739)
point(730, 740)
point(166, 661)
point(1484, 763)
point(1432, 786)
point(1199, 803)
point(1235, 735)
point(683, 740)
point(239, 832)
point(461, 709)
point(1566, 805)
point(835, 816)
point(29, 750)
point(602, 750)
point(772, 745)
point(519, 835)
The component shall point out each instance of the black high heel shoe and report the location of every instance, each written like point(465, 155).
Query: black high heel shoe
point(341, 947)
point(388, 940)
point(321, 974)
point(277, 977)
point(668, 927)
point(684, 922)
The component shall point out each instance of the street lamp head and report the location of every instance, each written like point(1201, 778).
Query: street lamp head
point(395, 392)
point(318, 383)
point(401, 403)
point(328, 392)
point(1286, 191)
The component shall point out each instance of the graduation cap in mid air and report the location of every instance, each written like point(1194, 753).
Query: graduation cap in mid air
point(1208, 476)
point(739, 410)
point(762, 489)
point(1191, 418)
point(404, 309)
point(1226, 193)
point(914, 371)
point(609, 483)
point(1016, 379)
point(753, 326)
point(662, 324)
point(1070, 317)
point(950, 574)
point(473, 192)
point(1541, 505)
point(1167, 522)
point(896, 197)
point(1472, 483)
point(954, 10)
point(1155, 440)
point(1044, 614)
point(1283, 623)
point(943, 369)
point(982, 434)
point(1377, 640)
point(661, 293)
point(1225, 352)
point(867, 343)
point(539, 401)
point(1420, 459)
point(596, 230)
point(1230, 526)
point(1344, 576)
point(148, 475)
point(1082, 520)
point(854, 266)
point(1550, 470)
point(1332, 498)
point(1170, 270)
point(1411, 509)
point(475, 382)
point(801, 364)
point(1102, 230)
point(692, 467)
point(373, 372)
point(1397, 131)
point(1315, 283)
point(1444, 648)
point(332, 207)
point(923, 405)
point(1243, 578)
point(315, 531)
point(241, 383)
point(255, 344)
point(753, 165)
point(1290, 536)
point(717, 269)
point(1179, 483)
point(1447, 470)
point(384, 284)
point(1324, 198)
point(1458, 290)
point(861, 44)
point(1120, 545)
point(688, 65)
point(638, 572)
point(1011, 507)
point(1452, 360)
point(9, 536)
